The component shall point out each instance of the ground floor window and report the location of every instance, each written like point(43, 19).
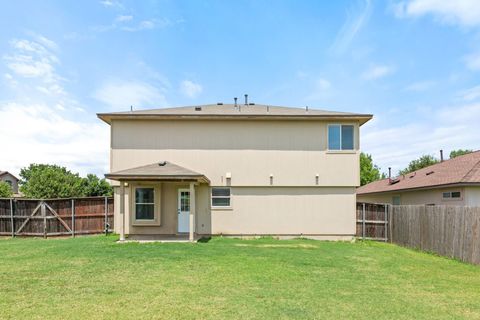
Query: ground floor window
point(452, 195)
point(144, 203)
point(220, 197)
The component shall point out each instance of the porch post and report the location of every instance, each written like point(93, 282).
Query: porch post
point(122, 210)
point(192, 212)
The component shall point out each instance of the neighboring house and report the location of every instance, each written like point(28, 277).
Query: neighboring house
point(451, 182)
point(229, 169)
point(9, 178)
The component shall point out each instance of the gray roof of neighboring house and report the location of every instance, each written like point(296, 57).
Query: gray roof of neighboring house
point(6, 172)
point(463, 170)
point(161, 170)
point(231, 111)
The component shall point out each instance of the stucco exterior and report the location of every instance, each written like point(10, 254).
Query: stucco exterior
point(283, 179)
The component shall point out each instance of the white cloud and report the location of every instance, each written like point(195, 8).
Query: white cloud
point(356, 19)
point(112, 4)
point(38, 133)
point(190, 88)
point(122, 18)
point(420, 86)
point(377, 71)
point(473, 61)
point(448, 128)
point(470, 94)
point(458, 12)
point(321, 88)
point(121, 95)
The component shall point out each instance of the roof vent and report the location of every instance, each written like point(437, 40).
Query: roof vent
point(429, 173)
point(162, 163)
point(251, 104)
point(198, 108)
point(396, 180)
point(219, 103)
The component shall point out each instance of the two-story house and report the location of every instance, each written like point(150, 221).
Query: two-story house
point(238, 170)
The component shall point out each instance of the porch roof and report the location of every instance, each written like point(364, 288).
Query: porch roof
point(162, 170)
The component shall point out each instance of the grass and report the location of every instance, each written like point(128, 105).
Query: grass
point(96, 278)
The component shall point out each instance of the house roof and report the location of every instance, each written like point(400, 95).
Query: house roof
point(463, 170)
point(234, 112)
point(162, 170)
point(2, 173)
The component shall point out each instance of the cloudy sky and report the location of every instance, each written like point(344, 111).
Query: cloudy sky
point(414, 64)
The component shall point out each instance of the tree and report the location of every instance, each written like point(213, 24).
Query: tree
point(94, 186)
point(50, 181)
point(369, 172)
point(5, 190)
point(459, 152)
point(47, 181)
point(422, 162)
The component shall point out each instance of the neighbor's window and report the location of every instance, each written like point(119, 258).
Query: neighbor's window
point(9, 182)
point(451, 195)
point(144, 203)
point(340, 137)
point(220, 197)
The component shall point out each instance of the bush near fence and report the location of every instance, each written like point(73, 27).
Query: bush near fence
point(56, 217)
point(452, 231)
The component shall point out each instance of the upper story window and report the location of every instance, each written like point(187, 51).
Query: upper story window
point(144, 204)
point(220, 197)
point(340, 137)
point(452, 195)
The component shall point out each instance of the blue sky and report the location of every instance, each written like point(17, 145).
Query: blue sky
point(414, 64)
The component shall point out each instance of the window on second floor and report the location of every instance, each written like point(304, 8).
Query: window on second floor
point(340, 137)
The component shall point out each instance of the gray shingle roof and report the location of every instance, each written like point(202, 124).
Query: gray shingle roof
point(161, 170)
point(232, 111)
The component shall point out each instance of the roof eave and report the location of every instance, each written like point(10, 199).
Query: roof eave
point(108, 117)
point(185, 178)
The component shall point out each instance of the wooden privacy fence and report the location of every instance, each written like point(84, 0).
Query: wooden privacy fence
point(452, 231)
point(372, 221)
point(56, 217)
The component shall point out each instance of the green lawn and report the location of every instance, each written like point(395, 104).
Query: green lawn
point(94, 277)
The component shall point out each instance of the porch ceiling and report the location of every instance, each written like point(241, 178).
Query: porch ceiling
point(160, 171)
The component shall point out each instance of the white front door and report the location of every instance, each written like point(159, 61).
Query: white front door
point(183, 210)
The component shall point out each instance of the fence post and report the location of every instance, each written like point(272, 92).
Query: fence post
point(386, 222)
point(11, 218)
point(390, 222)
point(44, 215)
point(106, 216)
point(73, 218)
point(363, 220)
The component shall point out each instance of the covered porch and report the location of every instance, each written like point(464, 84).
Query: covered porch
point(158, 202)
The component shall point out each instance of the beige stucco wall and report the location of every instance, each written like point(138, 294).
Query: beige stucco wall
point(294, 152)
point(429, 196)
point(294, 202)
point(256, 211)
point(287, 211)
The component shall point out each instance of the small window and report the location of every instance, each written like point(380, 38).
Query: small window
point(340, 137)
point(220, 197)
point(144, 204)
point(452, 195)
point(9, 182)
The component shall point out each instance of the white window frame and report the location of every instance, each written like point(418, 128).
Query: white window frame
point(220, 197)
point(341, 149)
point(450, 198)
point(156, 221)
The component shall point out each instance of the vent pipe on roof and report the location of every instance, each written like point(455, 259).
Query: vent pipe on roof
point(306, 108)
point(389, 174)
point(441, 155)
point(246, 99)
point(235, 99)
